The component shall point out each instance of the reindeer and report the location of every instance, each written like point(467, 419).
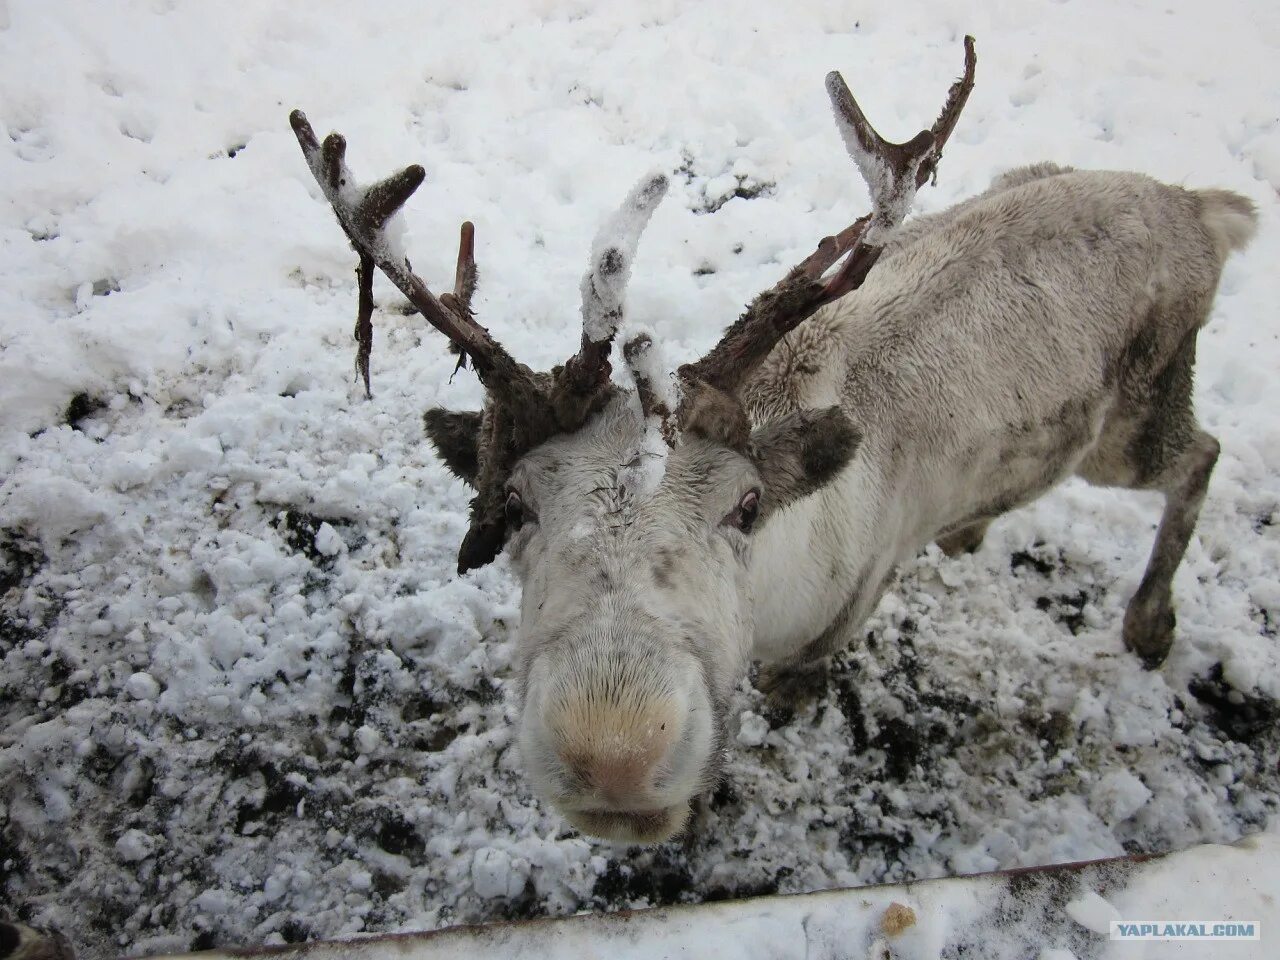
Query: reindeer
point(667, 529)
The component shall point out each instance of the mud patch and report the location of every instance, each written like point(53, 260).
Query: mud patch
point(1244, 717)
point(657, 877)
point(80, 408)
point(301, 530)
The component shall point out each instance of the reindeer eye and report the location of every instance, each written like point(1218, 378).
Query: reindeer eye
point(514, 510)
point(745, 513)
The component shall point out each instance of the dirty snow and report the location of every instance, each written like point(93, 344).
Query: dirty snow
point(1063, 915)
point(243, 696)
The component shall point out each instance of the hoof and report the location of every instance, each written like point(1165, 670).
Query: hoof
point(1149, 635)
point(958, 544)
point(786, 688)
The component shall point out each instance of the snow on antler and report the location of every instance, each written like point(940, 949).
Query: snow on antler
point(889, 169)
point(604, 285)
point(893, 172)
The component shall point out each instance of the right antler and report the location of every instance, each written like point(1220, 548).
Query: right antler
point(893, 172)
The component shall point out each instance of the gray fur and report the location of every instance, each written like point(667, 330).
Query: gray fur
point(1042, 329)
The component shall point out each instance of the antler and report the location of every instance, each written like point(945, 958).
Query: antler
point(605, 282)
point(363, 213)
point(523, 408)
point(893, 172)
point(654, 387)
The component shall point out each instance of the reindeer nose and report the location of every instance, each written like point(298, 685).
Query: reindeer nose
point(618, 779)
point(616, 751)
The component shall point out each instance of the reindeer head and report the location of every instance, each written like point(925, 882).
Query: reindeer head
point(636, 609)
point(628, 505)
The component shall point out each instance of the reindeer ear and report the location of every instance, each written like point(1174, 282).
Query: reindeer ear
point(456, 436)
point(802, 452)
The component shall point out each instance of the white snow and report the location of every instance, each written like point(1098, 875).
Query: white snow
point(134, 845)
point(1092, 912)
point(1118, 796)
point(327, 540)
point(752, 729)
point(222, 511)
point(495, 874)
point(142, 686)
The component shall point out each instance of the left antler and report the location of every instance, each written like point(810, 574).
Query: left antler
point(893, 172)
point(522, 408)
point(363, 214)
point(604, 284)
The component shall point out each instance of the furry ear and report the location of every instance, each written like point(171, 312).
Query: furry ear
point(456, 436)
point(714, 415)
point(802, 452)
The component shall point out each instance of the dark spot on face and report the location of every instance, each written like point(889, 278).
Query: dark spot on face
point(456, 435)
point(717, 416)
point(828, 449)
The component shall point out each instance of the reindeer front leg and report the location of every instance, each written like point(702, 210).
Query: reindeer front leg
point(797, 680)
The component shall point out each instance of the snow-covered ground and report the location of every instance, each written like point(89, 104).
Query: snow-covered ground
point(1060, 914)
point(244, 698)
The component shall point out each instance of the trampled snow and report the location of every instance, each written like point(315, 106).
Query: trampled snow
point(244, 698)
point(1063, 914)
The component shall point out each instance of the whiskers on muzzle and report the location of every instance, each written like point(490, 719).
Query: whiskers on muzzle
point(621, 746)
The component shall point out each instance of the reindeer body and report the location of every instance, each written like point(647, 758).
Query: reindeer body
point(1041, 329)
point(666, 529)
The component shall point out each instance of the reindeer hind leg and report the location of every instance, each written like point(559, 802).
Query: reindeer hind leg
point(1153, 442)
point(1149, 620)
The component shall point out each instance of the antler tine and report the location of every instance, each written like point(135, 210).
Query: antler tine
point(889, 169)
point(864, 143)
point(957, 97)
point(464, 279)
point(363, 215)
point(465, 275)
point(893, 172)
point(654, 388)
point(892, 202)
point(364, 321)
point(605, 282)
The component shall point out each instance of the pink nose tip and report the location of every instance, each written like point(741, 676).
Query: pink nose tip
point(619, 779)
point(615, 752)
